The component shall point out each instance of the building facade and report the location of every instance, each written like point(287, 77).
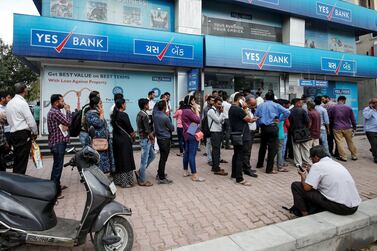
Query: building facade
point(134, 46)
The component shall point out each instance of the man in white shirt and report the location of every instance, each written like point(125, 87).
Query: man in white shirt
point(23, 127)
point(216, 119)
point(226, 125)
point(328, 186)
point(5, 97)
point(247, 169)
point(259, 99)
point(151, 96)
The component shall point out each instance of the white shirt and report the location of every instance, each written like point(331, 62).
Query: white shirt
point(253, 125)
point(259, 100)
point(334, 182)
point(6, 126)
point(19, 115)
point(226, 106)
point(151, 106)
point(215, 120)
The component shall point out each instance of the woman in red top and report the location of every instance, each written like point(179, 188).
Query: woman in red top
point(178, 117)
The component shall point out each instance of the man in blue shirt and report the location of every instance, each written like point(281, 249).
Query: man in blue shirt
point(370, 125)
point(268, 114)
point(325, 122)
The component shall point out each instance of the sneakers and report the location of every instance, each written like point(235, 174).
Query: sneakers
point(164, 181)
point(157, 178)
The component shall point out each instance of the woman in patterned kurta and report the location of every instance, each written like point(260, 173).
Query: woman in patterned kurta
point(95, 118)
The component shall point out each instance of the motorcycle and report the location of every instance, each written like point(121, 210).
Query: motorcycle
point(27, 210)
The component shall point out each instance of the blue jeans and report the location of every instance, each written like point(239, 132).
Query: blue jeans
point(147, 156)
point(324, 142)
point(84, 138)
point(191, 147)
point(282, 148)
point(58, 151)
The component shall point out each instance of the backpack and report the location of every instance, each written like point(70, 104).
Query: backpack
point(206, 130)
point(75, 128)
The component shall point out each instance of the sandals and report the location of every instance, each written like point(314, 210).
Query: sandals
point(145, 184)
point(244, 183)
point(187, 174)
point(63, 187)
point(284, 170)
point(199, 179)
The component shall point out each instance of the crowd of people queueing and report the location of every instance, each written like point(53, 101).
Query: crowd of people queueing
point(289, 129)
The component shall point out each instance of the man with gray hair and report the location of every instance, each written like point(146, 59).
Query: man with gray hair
point(328, 186)
point(23, 127)
point(251, 105)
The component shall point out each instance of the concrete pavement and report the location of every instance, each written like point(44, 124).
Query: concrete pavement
point(186, 212)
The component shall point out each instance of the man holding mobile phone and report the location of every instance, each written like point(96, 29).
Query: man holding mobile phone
point(370, 125)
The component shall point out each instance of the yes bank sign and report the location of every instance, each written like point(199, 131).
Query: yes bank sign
point(266, 58)
point(332, 12)
point(60, 41)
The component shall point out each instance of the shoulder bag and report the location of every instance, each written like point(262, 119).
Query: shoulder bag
point(237, 137)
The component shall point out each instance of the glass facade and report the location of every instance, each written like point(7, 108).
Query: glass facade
point(151, 14)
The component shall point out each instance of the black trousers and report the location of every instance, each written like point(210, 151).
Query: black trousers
point(164, 145)
point(313, 201)
point(372, 137)
point(332, 144)
point(21, 142)
point(289, 149)
point(226, 133)
point(246, 165)
point(270, 139)
point(237, 161)
point(216, 138)
point(2, 161)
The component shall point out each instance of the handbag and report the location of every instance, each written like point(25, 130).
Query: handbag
point(100, 144)
point(125, 132)
point(301, 135)
point(199, 136)
point(237, 137)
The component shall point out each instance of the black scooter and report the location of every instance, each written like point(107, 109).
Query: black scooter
point(27, 210)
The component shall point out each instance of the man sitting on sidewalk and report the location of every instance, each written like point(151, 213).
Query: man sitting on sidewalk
point(328, 186)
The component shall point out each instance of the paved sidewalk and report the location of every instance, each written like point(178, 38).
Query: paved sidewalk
point(186, 212)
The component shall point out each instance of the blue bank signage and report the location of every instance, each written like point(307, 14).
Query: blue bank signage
point(329, 10)
point(313, 83)
point(70, 39)
point(258, 55)
point(332, 12)
point(266, 58)
point(193, 80)
point(163, 49)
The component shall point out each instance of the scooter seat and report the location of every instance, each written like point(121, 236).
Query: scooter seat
point(27, 186)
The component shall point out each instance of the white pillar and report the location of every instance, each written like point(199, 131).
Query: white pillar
point(181, 86)
point(293, 34)
point(188, 16)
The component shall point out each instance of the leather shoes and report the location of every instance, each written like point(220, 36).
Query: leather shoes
point(223, 161)
point(221, 172)
point(251, 174)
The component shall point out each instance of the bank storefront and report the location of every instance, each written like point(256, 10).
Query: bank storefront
point(266, 65)
point(76, 57)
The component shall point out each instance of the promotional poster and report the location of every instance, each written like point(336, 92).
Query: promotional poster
point(76, 84)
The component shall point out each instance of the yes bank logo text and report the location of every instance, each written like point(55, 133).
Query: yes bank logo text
point(333, 12)
point(266, 58)
point(68, 41)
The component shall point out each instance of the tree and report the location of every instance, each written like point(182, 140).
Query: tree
point(12, 69)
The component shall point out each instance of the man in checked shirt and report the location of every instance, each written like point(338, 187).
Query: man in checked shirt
point(58, 137)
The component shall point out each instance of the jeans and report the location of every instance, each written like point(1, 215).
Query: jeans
point(147, 156)
point(216, 138)
point(84, 138)
point(164, 145)
point(58, 151)
point(191, 147)
point(209, 150)
point(281, 151)
point(181, 140)
point(323, 138)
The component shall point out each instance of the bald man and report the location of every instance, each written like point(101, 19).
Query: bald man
point(247, 169)
point(370, 125)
